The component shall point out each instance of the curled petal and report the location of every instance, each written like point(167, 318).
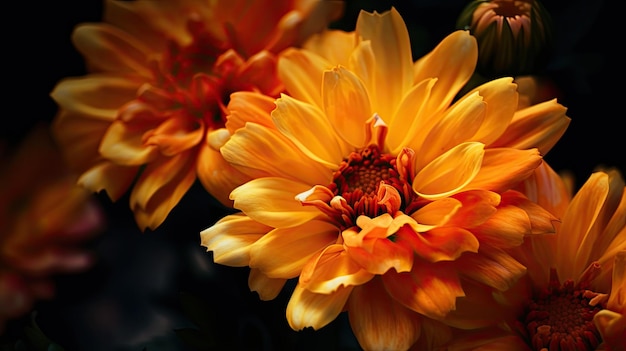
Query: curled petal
point(309, 309)
point(231, 237)
point(267, 288)
point(450, 172)
point(503, 169)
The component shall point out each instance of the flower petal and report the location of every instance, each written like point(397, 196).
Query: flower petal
point(282, 252)
point(380, 323)
point(505, 168)
point(491, 266)
point(308, 309)
point(307, 127)
point(231, 237)
point(449, 172)
point(271, 201)
point(258, 151)
point(301, 72)
point(267, 288)
point(342, 93)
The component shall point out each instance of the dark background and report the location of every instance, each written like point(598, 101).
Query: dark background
point(145, 286)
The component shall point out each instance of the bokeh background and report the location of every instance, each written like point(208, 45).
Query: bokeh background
point(159, 290)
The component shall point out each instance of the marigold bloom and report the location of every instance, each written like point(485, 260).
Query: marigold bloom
point(575, 292)
point(513, 36)
point(150, 114)
point(44, 218)
point(380, 193)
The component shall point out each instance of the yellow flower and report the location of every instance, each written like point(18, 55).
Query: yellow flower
point(383, 195)
point(44, 218)
point(574, 296)
point(150, 114)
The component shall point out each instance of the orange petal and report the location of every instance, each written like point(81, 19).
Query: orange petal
point(331, 269)
point(114, 179)
point(160, 187)
point(301, 72)
point(267, 288)
point(247, 106)
point(231, 237)
point(379, 322)
point(445, 244)
point(308, 309)
point(491, 266)
point(430, 289)
point(505, 168)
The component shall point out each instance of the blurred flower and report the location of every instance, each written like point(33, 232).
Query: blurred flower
point(383, 196)
point(150, 114)
point(44, 218)
point(574, 294)
point(513, 36)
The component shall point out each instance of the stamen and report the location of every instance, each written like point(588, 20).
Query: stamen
point(561, 318)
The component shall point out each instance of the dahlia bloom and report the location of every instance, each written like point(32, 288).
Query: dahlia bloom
point(574, 296)
point(380, 193)
point(150, 113)
point(44, 219)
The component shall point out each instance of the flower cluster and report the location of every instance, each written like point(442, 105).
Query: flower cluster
point(400, 191)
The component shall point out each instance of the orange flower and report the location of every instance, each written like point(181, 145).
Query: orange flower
point(44, 218)
point(385, 196)
point(150, 114)
point(574, 294)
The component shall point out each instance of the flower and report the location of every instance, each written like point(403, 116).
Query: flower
point(44, 220)
point(574, 294)
point(383, 195)
point(150, 114)
point(513, 36)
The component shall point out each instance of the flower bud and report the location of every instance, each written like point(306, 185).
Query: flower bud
point(513, 35)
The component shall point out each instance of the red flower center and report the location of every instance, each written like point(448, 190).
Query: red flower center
point(359, 178)
point(561, 318)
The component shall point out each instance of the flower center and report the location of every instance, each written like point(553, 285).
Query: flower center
point(360, 176)
point(561, 318)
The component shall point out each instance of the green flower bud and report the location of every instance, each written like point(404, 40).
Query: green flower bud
point(514, 36)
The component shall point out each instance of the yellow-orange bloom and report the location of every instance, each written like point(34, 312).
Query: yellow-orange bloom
point(44, 218)
point(150, 114)
point(385, 196)
point(574, 296)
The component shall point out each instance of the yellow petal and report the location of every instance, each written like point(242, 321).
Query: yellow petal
point(123, 144)
point(436, 213)
point(392, 51)
point(258, 151)
point(231, 237)
point(500, 96)
point(216, 175)
point(301, 72)
point(108, 48)
point(307, 127)
point(504, 168)
point(335, 46)
point(380, 323)
point(577, 222)
point(247, 106)
point(452, 62)
point(344, 95)
point(450, 172)
point(114, 179)
point(271, 201)
point(267, 288)
point(538, 126)
point(96, 96)
point(457, 125)
point(308, 309)
point(282, 252)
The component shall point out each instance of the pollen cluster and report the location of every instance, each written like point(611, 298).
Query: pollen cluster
point(562, 319)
